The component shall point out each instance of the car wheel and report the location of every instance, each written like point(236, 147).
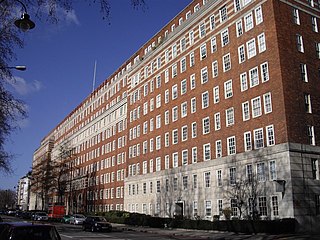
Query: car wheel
point(93, 229)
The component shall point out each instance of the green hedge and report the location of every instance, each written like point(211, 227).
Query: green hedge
point(244, 226)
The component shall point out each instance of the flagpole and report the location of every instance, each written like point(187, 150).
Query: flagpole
point(94, 75)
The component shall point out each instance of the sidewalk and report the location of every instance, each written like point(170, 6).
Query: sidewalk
point(216, 235)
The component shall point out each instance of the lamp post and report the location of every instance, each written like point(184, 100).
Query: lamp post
point(24, 23)
point(19, 68)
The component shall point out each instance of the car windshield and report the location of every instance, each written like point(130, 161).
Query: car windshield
point(35, 233)
point(41, 214)
point(99, 219)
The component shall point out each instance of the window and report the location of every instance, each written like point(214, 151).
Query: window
point(174, 70)
point(267, 103)
point(206, 125)
point(204, 75)
point(212, 22)
point(203, 51)
point(231, 144)
point(158, 101)
point(216, 97)
point(174, 92)
point(158, 142)
point(251, 48)
point(192, 81)
point(205, 100)
point(270, 135)
point(300, 43)
point(224, 37)
point(247, 141)
point(202, 30)
point(185, 182)
point(249, 173)
point(158, 121)
point(226, 62)
point(256, 107)
point(183, 109)
point(192, 61)
point(183, 44)
point(315, 168)
point(215, 69)
point(213, 44)
point(243, 82)
point(262, 43)
point(311, 136)
point(166, 75)
point(184, 133)
point(194, 130)
point(218, 149)
point(262, 203)
point(208, 208)
point(318, 50)
point(317, 203)
point(314, 23)
point(303, 72)
point(245, 111)
point(272, 170)
point(217, 121)
point(194, 155)
point(158, 186)
point(220, 207)
point(183, 64)
point(258, 138)
point(183, 86)
point(228, 93)
point(166, 117)
point(206, 152)
point(237, 5)
point(229, 116)
point(275, 206)
point(241, 54)
point(191, 37)
point(248, 22)
point(207, 179)
point(234, 207)
point(184, 157)
point(223, 13)
point(175, 136)
point(193, 105)
point(175, 159)
point(253, 77)
point(166, 139)
point(219, 178)
point(264, 68)
point(258, 15)
point(232, 176)
point(239, 28)
point(296, 17)
point(174, 51)
point(261, 174)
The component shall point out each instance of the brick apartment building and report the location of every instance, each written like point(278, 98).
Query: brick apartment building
point(219, 110)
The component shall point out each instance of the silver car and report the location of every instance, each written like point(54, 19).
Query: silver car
point(40, 216)
point(77, 219)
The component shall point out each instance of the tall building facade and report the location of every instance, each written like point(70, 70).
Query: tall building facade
point(23, 193)
point(218, 112)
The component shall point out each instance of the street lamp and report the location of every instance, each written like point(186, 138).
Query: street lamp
point(24, 23)
point(20, 68)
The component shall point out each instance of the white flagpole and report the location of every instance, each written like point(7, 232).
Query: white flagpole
point(94, 75)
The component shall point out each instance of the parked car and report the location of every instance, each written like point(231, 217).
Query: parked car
point(77, 219)
point(65, 219)
point(40, 216)
point(30, 231)
point(96, 223)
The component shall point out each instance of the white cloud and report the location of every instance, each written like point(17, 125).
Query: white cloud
point(70, 16)
point(24, 87)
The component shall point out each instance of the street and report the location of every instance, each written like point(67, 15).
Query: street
point(123, 232)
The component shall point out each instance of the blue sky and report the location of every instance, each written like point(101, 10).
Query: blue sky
point(60, 64)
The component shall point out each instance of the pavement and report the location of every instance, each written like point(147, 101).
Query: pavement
point(177, 233)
